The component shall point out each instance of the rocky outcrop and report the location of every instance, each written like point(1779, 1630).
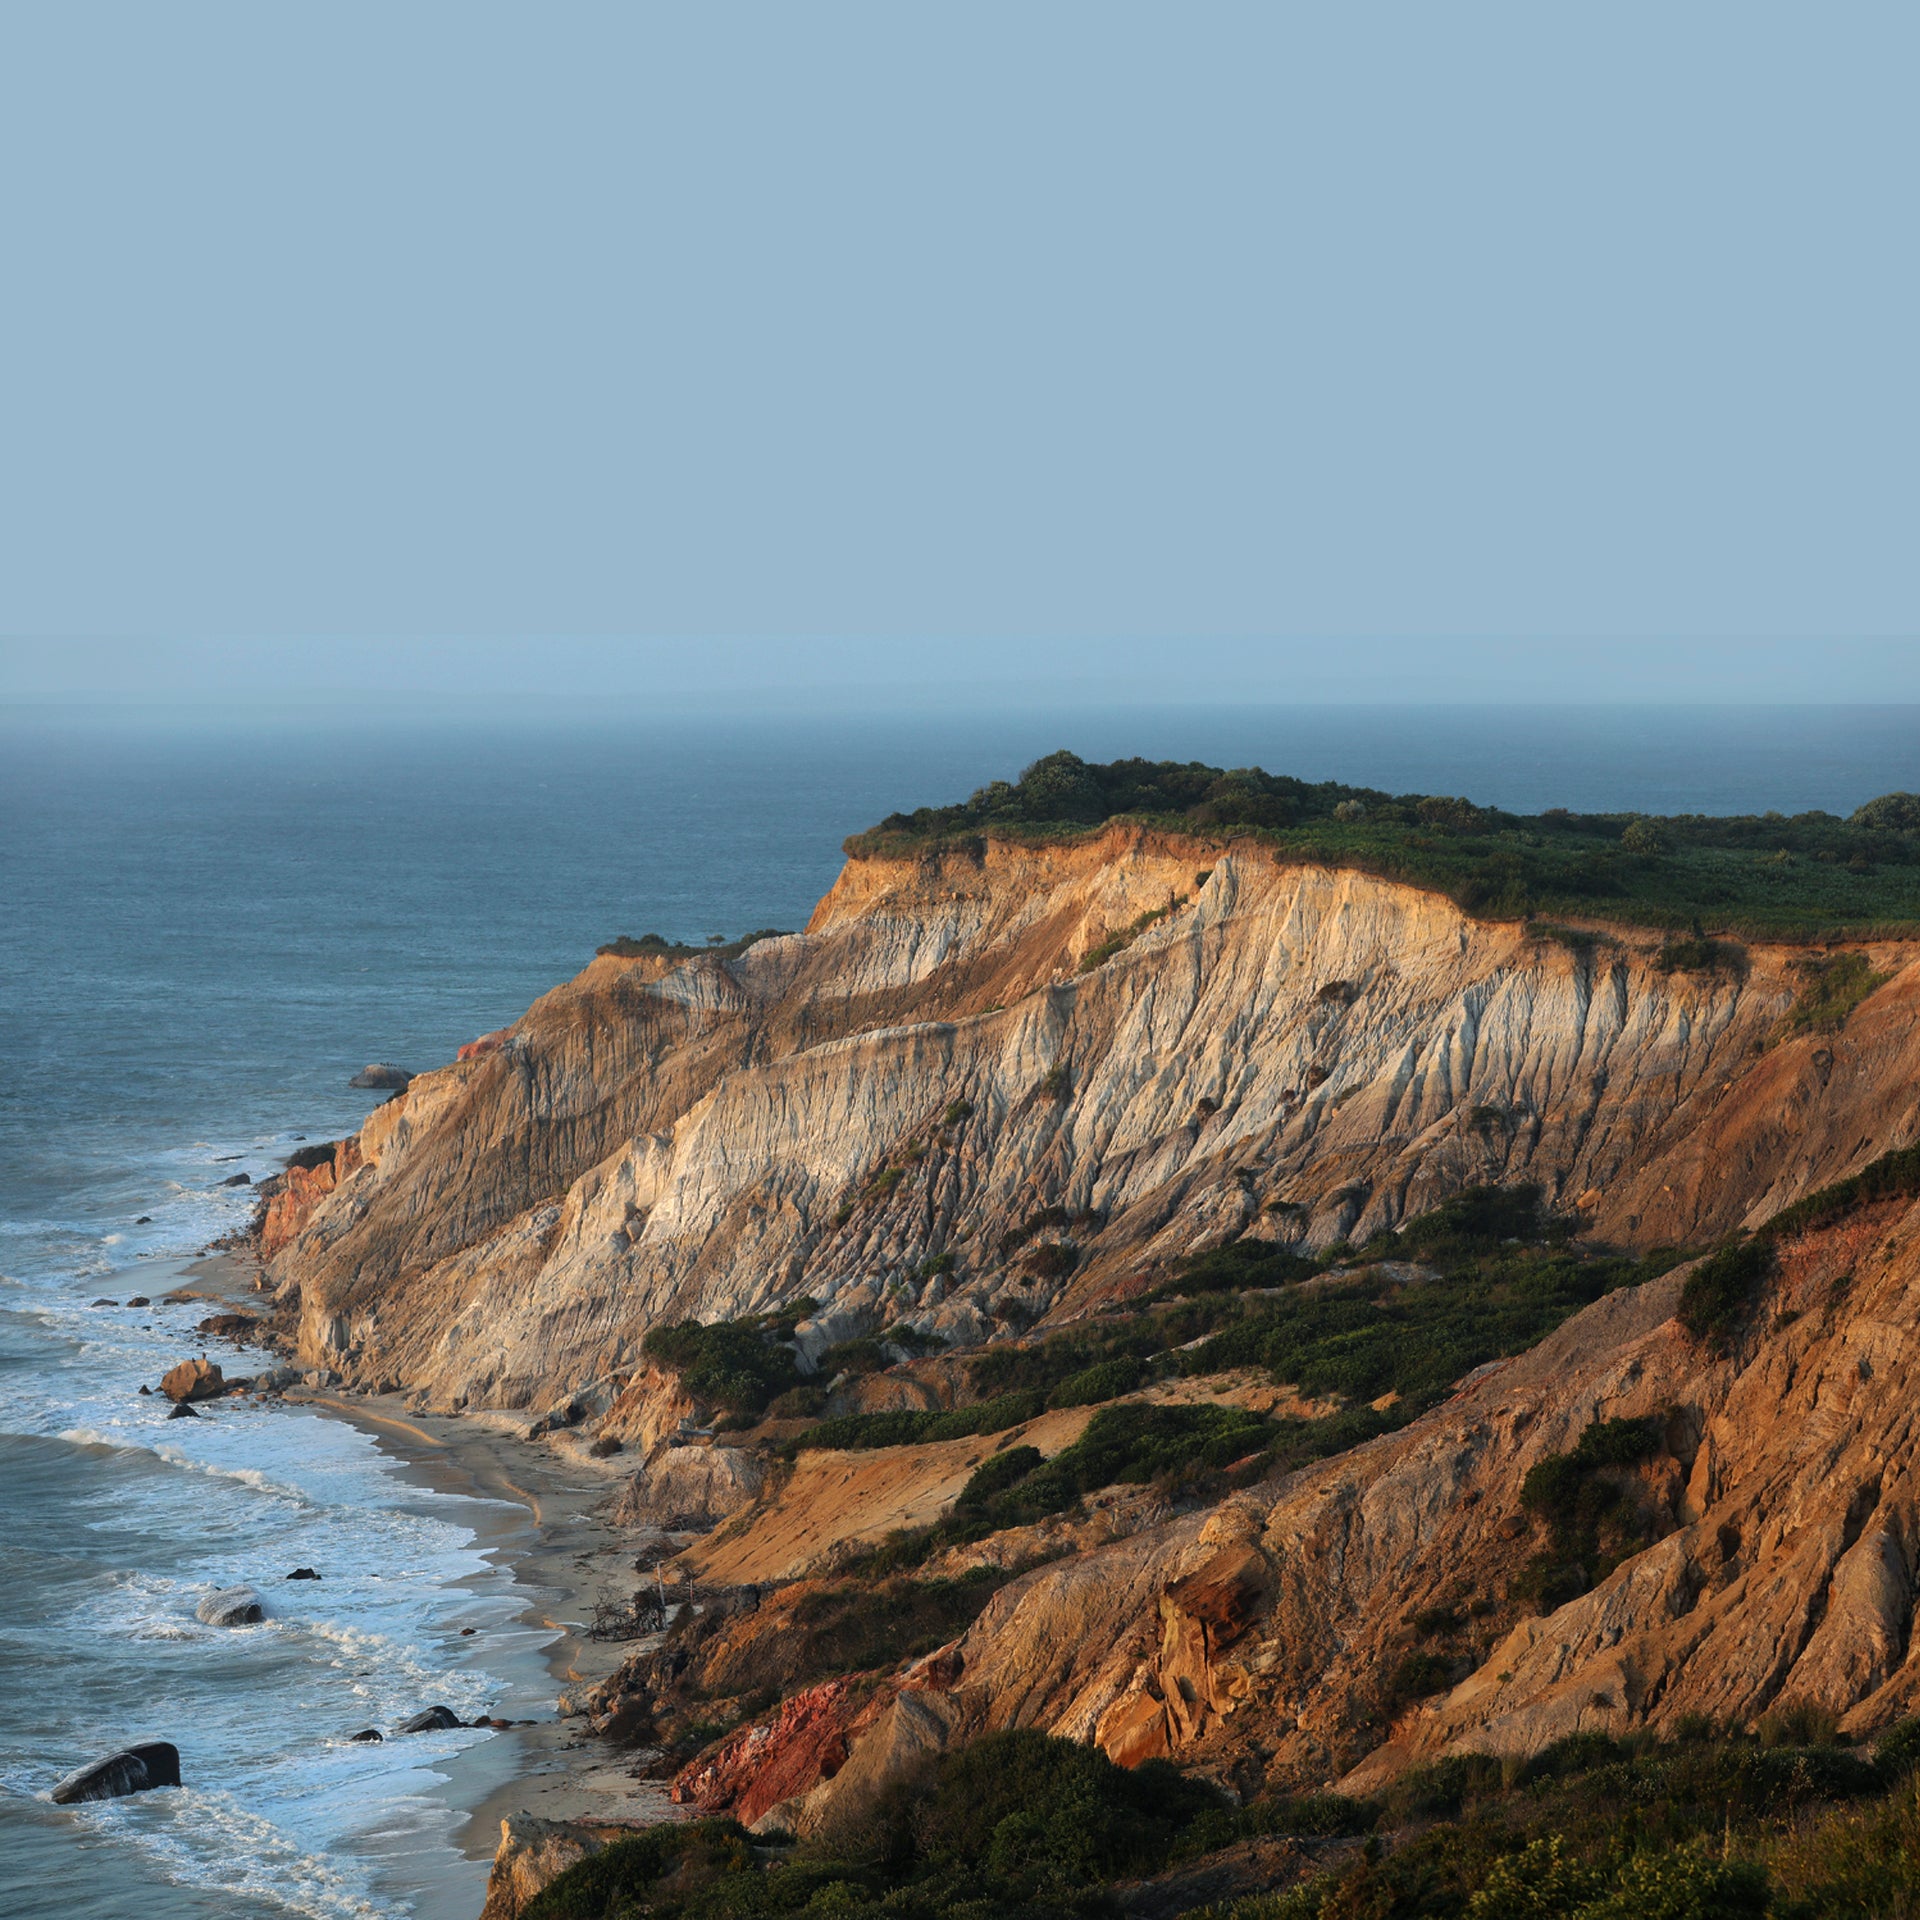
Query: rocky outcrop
point(381, 1076)
point(782, 1759)
point(920, 1114)
point(193, 1380)
point(533, 1852)
point(691, 1487)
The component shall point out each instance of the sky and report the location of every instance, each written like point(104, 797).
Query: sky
point(1356, 350)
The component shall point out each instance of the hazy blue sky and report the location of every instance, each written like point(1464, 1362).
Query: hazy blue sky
point(897, 344)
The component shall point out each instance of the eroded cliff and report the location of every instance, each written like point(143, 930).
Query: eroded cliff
point(922, 1113)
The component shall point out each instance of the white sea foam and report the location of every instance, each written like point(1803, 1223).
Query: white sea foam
point(282, 1810)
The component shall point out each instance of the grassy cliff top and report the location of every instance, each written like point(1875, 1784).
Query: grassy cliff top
point(1809, 876)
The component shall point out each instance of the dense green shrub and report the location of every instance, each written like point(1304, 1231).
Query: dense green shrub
point(1105, 1380)
point(654, 944)
point(1839, 877)
point(995, 1475)
point(614, 1883)
point(1717, 1293)
point(856, 1432)
point(741, 1365)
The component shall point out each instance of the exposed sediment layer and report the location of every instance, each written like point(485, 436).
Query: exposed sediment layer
point(924, 1073)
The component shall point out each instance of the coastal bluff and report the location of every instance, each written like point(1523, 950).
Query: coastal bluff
point(994, 1095)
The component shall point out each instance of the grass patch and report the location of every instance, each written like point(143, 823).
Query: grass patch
point(1831, 986)
point(1117, 942)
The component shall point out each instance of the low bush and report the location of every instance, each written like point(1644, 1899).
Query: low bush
point(1105, 1380)
point(1718, 1292)
point(1831, 986)
point(856, 1432)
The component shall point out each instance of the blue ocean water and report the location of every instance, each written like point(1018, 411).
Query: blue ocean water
point(205, 927)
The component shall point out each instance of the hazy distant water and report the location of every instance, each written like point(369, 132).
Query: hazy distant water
point(203, 932)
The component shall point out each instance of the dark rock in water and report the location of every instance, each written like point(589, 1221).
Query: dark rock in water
point(144, 1220)
point(430, 1720)
point(180, 1410)
point(367, 1735)
point(231, 1607)
point(382, 1074)
point(144, 1388)
point(465, 1632)
point(106, 1303)
point(138, 1300)
point(303, 1573)
point(229, 1326)
point(238, 1180)
point(136, 1770)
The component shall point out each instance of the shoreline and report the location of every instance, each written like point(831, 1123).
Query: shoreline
point(559, 1552)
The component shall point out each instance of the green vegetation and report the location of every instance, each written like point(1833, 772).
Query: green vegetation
point(1103, 951)
point(1016, 1825)
point(307, 1158)
point(1714, 1301)
point(858, 1626)
point(1589, 1504)
point(856, 1432)
point(1020, 1826)
point(657, 946)
point(1811, 876)
point(1698, 1828)
point(1506, 1277)
point(1719, 1293)
point(741, 1365)
point(1832, 985)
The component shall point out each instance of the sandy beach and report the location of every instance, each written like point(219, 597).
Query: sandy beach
point(544, 1523)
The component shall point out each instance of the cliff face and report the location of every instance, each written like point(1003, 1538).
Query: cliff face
point(1301, 1054)
point(1293, 1053)
point(924, 1072)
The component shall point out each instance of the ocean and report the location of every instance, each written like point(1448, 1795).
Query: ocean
point(207, 924)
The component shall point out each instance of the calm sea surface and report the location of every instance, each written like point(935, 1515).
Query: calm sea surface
point(204, 930)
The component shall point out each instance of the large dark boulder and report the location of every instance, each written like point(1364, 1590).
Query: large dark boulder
point(381, 1075)
point(231, 1607)
point(430, 1720)
point(229, 1326)
point(135, 1770)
